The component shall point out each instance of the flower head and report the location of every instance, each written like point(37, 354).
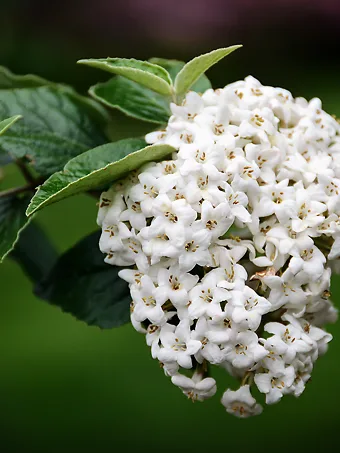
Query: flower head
point(231, 241)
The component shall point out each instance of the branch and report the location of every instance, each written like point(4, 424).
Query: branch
point(16, 190)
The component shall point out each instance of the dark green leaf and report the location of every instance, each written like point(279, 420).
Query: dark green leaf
point(175, 66)
point(34, 252)
point(97, 168)
point(57, 124)
point(82, 284)
point(8, 80)
point(4, 125)
point(145, 73)
point(12, 221)
point(132, 99)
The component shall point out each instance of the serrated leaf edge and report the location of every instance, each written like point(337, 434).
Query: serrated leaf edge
point(166, 84)
point(230, 49)
point(30, 210)
point(28, 221)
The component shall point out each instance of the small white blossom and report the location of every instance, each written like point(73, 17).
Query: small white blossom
point(196, 388)
point(244, 350)
point(247, 308)
point(275, 385)
point(287, 339)
point(177, 344)
point(241, 403)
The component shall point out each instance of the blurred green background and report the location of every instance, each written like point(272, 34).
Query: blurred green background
point(66, 387)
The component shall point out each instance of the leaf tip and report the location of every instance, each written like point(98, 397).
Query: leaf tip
point(30, 210)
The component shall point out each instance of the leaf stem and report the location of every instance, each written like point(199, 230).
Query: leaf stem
point(248, 378)
point(16, 190)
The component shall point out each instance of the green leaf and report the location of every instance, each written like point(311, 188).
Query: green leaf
point(147, 74)
point(4, 125)
point(96, 168)
point(175, 66)
point(140, 102)
point(132, 99)
point(191, 72)
point(82, 284)
point(57, 123)
point(34, 252)
point(12, 221)
point(8, 122)
point(8, 80)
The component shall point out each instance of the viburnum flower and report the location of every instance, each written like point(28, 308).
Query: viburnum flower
point(197, 388)
point(230, 241)
point(241, 403)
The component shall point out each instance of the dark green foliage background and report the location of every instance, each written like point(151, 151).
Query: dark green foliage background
point(66, 387)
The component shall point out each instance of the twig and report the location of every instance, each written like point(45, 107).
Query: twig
point(16, 190)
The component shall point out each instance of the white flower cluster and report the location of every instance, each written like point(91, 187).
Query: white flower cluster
point(254, 160)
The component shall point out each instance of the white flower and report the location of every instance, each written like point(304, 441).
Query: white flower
point(235, 235)
point(177, 345)
point(315, 335)
point(234, 275)
point(209, 351)
point(174, 285)
point(146, 305)
point(149, 188)
point(205, 297)
point(273, 361)
point(275, 385)
point(285, 290)
point(287, 340)
point(194, 251)
point(196, 388)
point(171, 219)
point(215, 220)
point(247, 308)
point(237, 202)
point(276, 199)
point(240, 402)
point(221, 329)
point(309, 266)
point(303, 369)
point(287, 241)
point(244, 350)
point(309, 212)
point(335, 250)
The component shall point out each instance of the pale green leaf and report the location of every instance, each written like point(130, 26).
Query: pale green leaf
point(145, 73)
point(175, 66)
point(8, 122)
point(191, 72)
point(132, 99)
point(95, 169)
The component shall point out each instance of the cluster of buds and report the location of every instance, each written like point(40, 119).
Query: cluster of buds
point(227, 247)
